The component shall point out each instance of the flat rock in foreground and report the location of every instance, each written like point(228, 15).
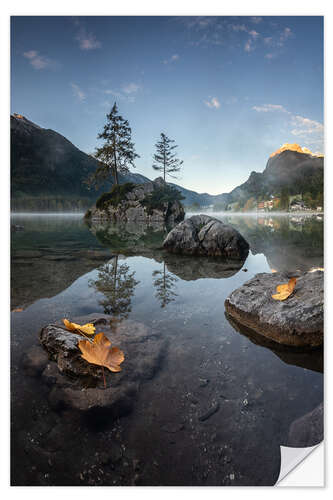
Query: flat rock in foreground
point(296, 321)
point(205, 235)
point(77, 384)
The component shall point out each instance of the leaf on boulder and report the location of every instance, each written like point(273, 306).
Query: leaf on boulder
point(87, 329)
point(283, 291)
point(99, 352)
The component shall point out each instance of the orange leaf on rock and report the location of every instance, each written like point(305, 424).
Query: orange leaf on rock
point(87, 329)
point(99, 352)
point(283, 291)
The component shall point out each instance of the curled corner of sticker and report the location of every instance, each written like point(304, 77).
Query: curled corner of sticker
point(291, 457)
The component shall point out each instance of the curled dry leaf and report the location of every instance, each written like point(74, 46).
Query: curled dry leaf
point(99, 352)
point(87, 329)
point(283, 291)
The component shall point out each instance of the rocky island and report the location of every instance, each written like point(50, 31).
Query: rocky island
point(151, 203)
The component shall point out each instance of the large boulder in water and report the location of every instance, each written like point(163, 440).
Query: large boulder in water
point(205, 235)
point(296, 321)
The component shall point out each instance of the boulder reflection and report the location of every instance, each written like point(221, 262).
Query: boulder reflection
point(310, 359)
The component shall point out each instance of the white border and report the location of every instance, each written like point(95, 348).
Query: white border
point(142, 7)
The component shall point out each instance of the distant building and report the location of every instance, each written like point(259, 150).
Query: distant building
point(264, 206)
point(297, 206)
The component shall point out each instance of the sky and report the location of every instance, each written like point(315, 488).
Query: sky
point(229, 90)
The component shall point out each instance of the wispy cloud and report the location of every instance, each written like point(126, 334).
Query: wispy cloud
point(268, 40)
point(238, 27)
point(256, 19)
point(127, 92)
point(114, 93)
point(238, 32)
point(286, 33)
point(305, 127)
point(36, 60)
point(266, 108)
point(78, 93)
point(213, 103)
point(276, 42)
point(172, 59)
point(248, 46)
point(86, 39)
point(131, 88)
point(310, 132)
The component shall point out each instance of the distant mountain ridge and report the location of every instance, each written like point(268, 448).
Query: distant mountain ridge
point(48, 173)
point(47, 166)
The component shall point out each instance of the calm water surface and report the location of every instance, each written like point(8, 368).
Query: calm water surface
point(62, 268)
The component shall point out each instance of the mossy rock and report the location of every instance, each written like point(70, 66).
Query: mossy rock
point(115, 196)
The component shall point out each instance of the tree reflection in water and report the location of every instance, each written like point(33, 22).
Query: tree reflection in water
point(164, 282)
point(117, 284)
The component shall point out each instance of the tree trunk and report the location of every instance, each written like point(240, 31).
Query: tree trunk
point(116, 180)
point(164, 167)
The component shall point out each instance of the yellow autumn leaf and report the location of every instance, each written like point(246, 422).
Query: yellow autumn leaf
point(87, 329)
point(99, 352)
point(283, 291)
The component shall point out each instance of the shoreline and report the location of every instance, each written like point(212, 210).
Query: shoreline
point(212, 213)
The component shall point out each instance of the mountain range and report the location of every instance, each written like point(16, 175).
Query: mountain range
point(48, 173)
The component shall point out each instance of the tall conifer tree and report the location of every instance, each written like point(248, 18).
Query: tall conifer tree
point(117, 154)
point(165, 159)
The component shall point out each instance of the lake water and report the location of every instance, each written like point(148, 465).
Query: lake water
point(61, 268)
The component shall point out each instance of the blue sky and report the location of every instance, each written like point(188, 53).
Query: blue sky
point(229, 90)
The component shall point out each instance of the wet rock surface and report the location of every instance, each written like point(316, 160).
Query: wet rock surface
point(296, 321)
point(133, 210)
point(79, 385)
point(204, 235)
point(307, 430)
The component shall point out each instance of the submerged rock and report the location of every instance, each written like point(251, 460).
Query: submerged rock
point(205, 235)
point(307, 430)
point(296, 321)
point(77, 384)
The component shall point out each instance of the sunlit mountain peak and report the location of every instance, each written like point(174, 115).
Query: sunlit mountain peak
point(295, 147)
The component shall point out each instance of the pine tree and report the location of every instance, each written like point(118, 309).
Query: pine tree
point(165, 160)
point(117, 153)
